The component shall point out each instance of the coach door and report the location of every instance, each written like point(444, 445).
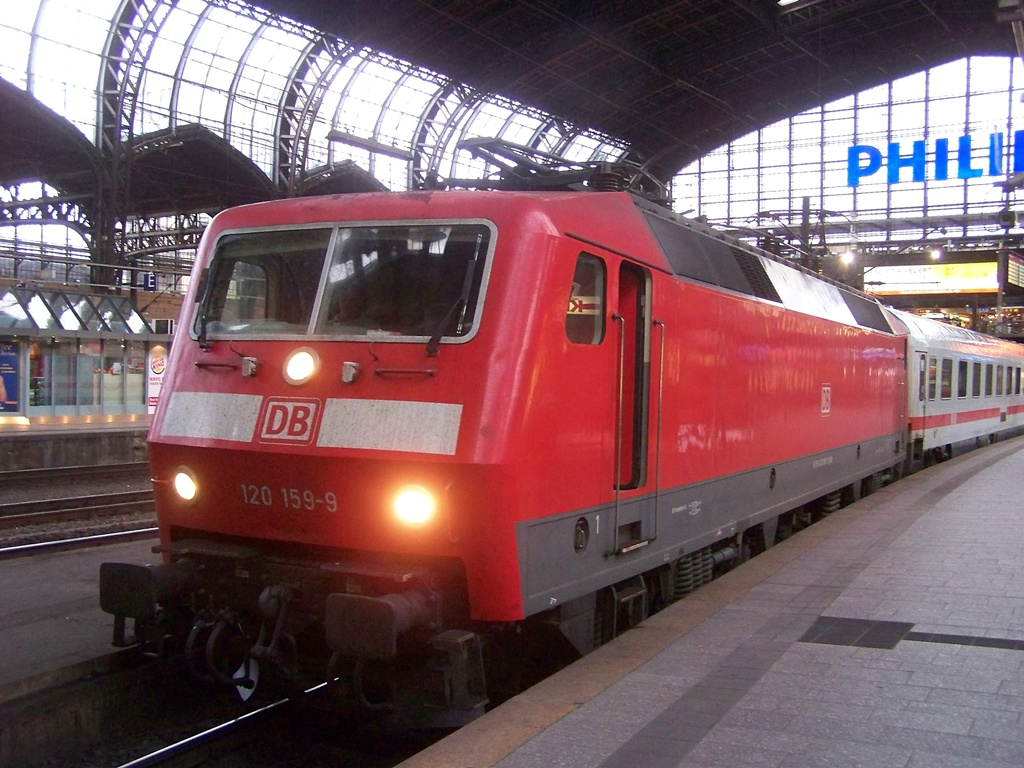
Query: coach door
point(635, 518)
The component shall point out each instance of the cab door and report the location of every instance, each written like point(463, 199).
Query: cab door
point(635, 494)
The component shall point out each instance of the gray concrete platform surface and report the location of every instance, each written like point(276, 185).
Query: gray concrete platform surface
point(890, 634)
point(52, 630)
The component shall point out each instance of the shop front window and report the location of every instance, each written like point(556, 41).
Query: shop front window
point(112, 377)
point(90, 369)
point(135, 378)
point(63, 356)
point(40, 377)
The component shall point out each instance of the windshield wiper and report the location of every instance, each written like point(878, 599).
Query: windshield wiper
point(204, 289)
point(434, 344)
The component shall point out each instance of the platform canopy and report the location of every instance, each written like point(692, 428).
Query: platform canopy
point(35, 312)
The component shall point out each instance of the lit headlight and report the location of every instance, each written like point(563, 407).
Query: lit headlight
point(301, 365)
point(414, 505)
point(185, 485)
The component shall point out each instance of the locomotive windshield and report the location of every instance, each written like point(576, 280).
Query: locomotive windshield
point(413, 280)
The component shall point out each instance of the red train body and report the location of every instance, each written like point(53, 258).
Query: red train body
point(593, 400)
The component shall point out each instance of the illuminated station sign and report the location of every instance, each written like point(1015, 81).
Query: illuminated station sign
point(864, 160)
point(918, 279)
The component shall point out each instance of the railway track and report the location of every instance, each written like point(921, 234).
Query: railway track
point(21, 513)
point(64, 508)
point(77, 542)
point(29, 477)
point(228, 737)
point(292, 731)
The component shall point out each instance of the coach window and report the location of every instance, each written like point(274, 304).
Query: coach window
point(988, 380)
point(1016, 379)
point(920, 378)
point(946, 391)
point(961, 379)
point(1009, 381)
point(584, 318)
point(999, 380)
point(933, 365)
point(976, 381)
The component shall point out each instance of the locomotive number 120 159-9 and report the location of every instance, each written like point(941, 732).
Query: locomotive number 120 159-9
point(289, 498)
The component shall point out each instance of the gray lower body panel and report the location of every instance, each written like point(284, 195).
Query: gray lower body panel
point(555, 568)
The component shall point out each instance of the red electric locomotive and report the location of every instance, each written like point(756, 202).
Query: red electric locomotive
point(397, 429)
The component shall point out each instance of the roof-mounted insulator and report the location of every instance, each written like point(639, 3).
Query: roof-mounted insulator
point(606, 179)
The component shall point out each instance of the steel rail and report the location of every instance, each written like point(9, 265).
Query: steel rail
point(59, 510)
point(81, 542)
point(35, 475)
point(223, 731)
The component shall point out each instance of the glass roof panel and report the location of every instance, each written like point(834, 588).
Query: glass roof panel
point(405, 110)
point(16, 41)
point(134, 321)
point(40, 312)
point(66, 56)
point(217, 49)
point(110, 316)
point(522, 128)
point(362, 106)
point(488, 120)
point(12, 313)
point(262, 83)
point(69, 321)
point(85, 310)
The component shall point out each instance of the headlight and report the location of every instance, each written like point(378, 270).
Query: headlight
point(300, 366)
point(185, 485)
point(414, 505)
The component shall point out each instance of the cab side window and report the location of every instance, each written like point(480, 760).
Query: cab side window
point(584, 318)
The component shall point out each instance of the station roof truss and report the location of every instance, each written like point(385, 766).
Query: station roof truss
point(674, 80)
point(203, 104)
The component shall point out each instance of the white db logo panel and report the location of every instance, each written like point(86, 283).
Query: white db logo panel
point(291, 422)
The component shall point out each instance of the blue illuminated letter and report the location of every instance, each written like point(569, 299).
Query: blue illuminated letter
point(995, 154)
point(941, 159)
point(915, 161)
point(963, 160)
point(854, 170)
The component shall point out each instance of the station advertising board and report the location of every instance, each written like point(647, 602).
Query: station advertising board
point(938, 161)
point(8, 377)
point(916, 279)
point(156, 365)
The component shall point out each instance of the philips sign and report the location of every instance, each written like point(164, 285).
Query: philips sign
point(864, 160)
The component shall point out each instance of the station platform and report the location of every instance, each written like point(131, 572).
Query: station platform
point(889, 634)
point(71, 441)
point(52, 630)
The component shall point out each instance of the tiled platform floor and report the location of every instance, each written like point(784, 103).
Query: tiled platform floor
point(890, 635)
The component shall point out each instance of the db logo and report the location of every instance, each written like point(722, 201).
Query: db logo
point(289, 421)
point(826, 399)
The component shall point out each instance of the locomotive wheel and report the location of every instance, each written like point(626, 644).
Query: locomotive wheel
point(227, 650)
point(195, 650)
